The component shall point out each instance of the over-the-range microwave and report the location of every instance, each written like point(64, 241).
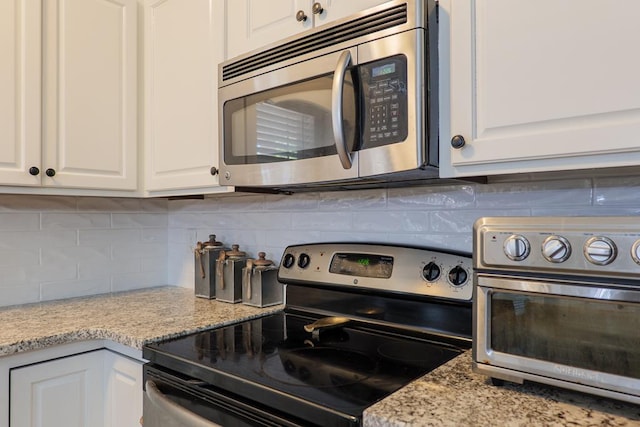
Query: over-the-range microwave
point(354, 101)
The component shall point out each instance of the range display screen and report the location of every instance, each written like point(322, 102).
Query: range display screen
point(363, 265)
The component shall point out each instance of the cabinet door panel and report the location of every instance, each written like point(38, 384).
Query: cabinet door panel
point(182, 54)
point(20, 36)
point(124, 390)
point(90, 93)
point(255, 23)
point(543, 85)
point(65, 392)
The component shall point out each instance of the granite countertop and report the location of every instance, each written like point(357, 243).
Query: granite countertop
point(130, 318)
point(453, 395)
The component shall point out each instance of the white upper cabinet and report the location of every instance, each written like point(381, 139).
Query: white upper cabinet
point(183, 45)
point(252, 24)
point(90, 94)
point(539, 85)
point(20, 40)
point(68, 110)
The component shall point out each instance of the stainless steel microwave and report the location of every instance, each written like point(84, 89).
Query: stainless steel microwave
point(352, 100)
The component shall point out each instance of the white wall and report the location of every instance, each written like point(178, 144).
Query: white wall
point(60, 247)
point(440, 217)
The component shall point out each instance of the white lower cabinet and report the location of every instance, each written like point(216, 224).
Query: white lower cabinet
point(97, 388)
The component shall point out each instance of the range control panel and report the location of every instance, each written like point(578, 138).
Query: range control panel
point(588, 246)
point(397, 269)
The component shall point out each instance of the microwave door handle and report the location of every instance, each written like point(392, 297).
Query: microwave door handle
point(336, 109)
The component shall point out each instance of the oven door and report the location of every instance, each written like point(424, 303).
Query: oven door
point(173, 400)
point(579, 333)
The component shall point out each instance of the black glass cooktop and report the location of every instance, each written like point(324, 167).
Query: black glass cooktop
point(274, 361)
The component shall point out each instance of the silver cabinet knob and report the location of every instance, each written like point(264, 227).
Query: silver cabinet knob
point(301, 16)
point(317, 8)
point(458, 142)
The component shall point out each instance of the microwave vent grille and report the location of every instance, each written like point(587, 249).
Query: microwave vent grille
point(346, 31)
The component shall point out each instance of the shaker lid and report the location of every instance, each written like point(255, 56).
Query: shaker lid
point(212, 241)
point(261, 261)
point(235, 252)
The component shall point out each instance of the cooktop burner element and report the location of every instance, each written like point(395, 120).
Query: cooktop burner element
point(346, 339)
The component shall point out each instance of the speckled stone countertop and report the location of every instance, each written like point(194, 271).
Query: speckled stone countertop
point(453, 395)
point(130, 318)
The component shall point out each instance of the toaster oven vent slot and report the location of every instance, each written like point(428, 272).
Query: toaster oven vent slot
point(359, 27)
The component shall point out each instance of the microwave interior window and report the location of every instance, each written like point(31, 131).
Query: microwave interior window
point(286, 123)
point(590, 334)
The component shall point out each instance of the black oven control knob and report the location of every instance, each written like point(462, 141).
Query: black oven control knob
point(600, 250)
point(304, 260)
point(458, 276)
point(556, 249)
point(516, 247)
point(288, 261)
point(431, 272)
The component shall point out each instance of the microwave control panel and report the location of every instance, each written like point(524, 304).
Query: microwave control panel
point(384, 88)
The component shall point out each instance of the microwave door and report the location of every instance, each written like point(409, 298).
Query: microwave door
point(278, 128)
point(395, 129)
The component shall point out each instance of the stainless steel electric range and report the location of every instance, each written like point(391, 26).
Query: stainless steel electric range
point(360, 322)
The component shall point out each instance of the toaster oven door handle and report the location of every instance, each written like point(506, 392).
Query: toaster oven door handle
point(336, 109)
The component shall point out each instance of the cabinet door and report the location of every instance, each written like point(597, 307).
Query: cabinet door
point(255, 23)
point(537, 86)
point(90, 99)
point(65, 392)
point(183, 46)
point(123, 390)
point(20, 37)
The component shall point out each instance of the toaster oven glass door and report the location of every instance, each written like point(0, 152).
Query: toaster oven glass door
point(575, 332)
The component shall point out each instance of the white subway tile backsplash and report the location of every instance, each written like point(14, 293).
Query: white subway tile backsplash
point(75, 220)
point(59, 247)
point(391, 221)
point(19, 221)
point(437, 197)
point(139, 220)
point(76, 288)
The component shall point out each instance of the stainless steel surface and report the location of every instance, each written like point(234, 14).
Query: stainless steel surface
point(205, 256)
point(409, 274)
point(413, 159)
point(159, 411)
point(576, 232)
point(260, 286)
point(336, 109)
point(572, 280)
point(229, 275)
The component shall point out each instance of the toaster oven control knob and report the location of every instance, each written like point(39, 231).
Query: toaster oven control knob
point(600, 250)
point(288, 260)
point(516, 247)
point(431, 272)
point(556, 249)
point(458, 276)
point(304, 260)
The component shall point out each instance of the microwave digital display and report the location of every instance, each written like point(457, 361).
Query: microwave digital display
point(384, 97)
point(383, 70)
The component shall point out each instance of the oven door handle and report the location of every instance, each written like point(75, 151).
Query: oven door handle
point(336, 109)
point(166, 413)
